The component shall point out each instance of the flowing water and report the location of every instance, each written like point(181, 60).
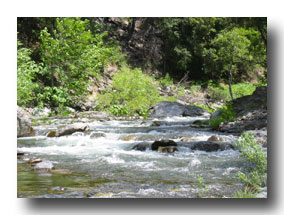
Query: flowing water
point(108, 167)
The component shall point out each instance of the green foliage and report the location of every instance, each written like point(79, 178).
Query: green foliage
point(119, 110)
point(132, 90)
point(256, 174)
point(205, 107)
point(222, 92)
point(71, 54)
point(166, 80)
point(232, 47)
point(246, 193)
point(27, 70)
point(203, 188)
point(227, 114)
point(117, 57)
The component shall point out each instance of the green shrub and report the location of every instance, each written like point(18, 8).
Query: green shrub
point(246, 193)
point(166, 81)
point(118, 110)
point(203, 189)
point(27, 70)
point(222, 93)
point(131, 89)
point(255, 175)
point(227, 114)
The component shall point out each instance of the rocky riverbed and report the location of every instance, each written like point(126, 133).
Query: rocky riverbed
point(94, 155)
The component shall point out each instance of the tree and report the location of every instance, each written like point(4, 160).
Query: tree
point(232, 47)
point(26, 74)
point(70, 54)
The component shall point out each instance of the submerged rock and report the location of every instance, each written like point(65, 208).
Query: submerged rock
point(95, 135)
point(128, 138)
point(24, 124)
point(170, 109)
point(60, 171)
point(185, 139)
point(69, 129)
point(162, 143)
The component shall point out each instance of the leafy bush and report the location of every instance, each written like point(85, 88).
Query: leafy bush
point(119, 110)
point(227, 114)
point(166, 81)
point(246, 193)
point(132, 90)
point(71, 54)
point(256, 174)
point(222, 92)
point(27, 70)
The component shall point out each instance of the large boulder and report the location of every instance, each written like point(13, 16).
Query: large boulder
point(256, 101)
point(170, 109)
point(69, 129)
point(24, 124)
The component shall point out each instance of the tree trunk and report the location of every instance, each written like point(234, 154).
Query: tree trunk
point(230, 82)
point(131, 29)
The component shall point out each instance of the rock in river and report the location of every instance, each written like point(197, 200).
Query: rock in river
point(24, 124)
point(170, 109)
point(69, 129)
point(141, 146)
point(211, 146)
point(169, 149)
point(162, 143)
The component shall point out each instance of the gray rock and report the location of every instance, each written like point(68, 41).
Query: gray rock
point(141, 146)
point(211, 146)
point(256, 101)
point(24, 124)
point(217, 113)
point(69, 129)
point(169, 109)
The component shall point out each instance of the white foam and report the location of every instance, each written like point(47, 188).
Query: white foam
point(195, 162)
point(112, 159)
point(146, 192)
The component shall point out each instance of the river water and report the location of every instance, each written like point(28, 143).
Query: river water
point(109, 167)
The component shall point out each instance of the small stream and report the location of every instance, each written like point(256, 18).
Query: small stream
point(109, 167)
